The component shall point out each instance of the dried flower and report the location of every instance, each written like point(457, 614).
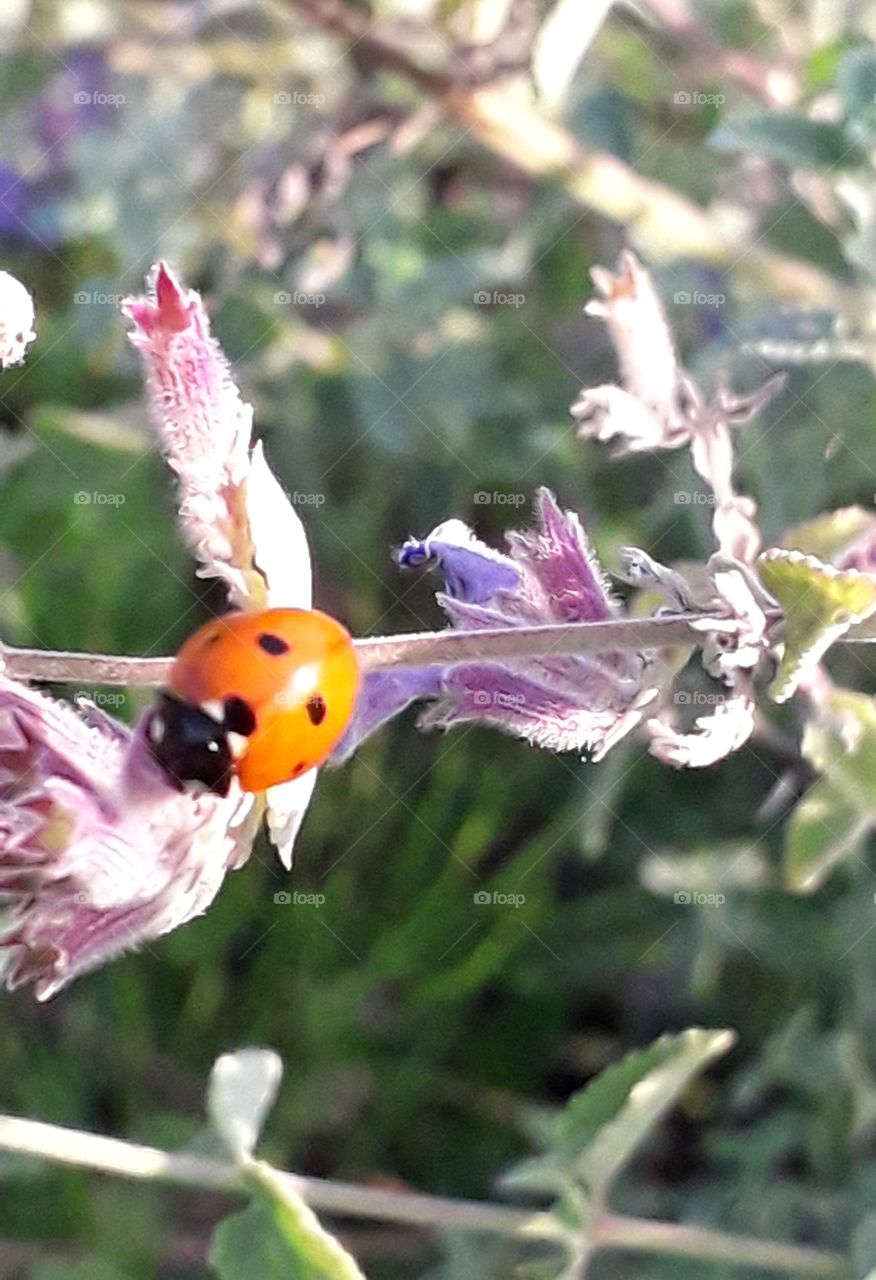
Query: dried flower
point(660, 406)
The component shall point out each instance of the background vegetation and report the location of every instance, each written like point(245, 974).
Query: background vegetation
point(359, 227)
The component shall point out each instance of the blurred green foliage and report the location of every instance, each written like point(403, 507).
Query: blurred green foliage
point(418, 1027)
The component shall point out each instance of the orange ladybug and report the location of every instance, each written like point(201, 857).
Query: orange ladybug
point(259, 696)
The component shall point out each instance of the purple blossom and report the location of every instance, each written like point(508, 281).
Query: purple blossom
point(549, 575)
point(99, 853)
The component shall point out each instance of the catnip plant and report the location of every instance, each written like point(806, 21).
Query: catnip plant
point(101, 852)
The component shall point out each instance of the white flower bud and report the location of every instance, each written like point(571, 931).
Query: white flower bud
point(16, 320)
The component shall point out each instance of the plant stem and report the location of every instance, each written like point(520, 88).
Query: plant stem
point(616, 1231)
point(664, 224)
point(345, 1199)
point(419, 649)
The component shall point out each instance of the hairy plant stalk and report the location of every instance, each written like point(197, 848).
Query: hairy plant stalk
point(419, 649)
point(60, 1145)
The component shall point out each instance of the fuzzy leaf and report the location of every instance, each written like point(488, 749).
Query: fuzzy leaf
point(833, 817)
point(830, 535)
point(277, 1237)
point(600, 1128)
point(822, 831)
point(820, 604)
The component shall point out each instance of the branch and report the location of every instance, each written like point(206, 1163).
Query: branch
point(419, 649)
point(346, 1199)
point(664, 224)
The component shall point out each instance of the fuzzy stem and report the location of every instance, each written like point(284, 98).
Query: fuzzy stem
point(420, 649)
point(133, 1160)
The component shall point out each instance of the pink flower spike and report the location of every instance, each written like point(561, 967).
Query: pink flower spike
point(205, 431)
point(239, 522)
point(98, 854)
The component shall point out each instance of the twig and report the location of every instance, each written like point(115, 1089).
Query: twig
point(419, 649)
point(345, 1199)
point(664, 224)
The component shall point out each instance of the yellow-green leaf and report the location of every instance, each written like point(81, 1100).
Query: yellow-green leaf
point(820, 603)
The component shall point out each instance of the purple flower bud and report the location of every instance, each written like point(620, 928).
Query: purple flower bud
point(550, 575)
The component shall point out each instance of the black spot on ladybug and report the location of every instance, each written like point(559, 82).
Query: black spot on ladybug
point(274, 645)
point(239, 717)
point(316, 708)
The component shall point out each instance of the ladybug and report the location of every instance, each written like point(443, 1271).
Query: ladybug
point(260, 696)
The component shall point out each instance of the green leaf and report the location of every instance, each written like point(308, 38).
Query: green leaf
point(820, 604)
point(823, 830)
point(277, 1237)
point(789, 139)
point(242, 1090)
point(830, 535)
point(831, 820)
point(600, 1128)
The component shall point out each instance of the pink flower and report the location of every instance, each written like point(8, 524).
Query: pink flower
point(98, 854)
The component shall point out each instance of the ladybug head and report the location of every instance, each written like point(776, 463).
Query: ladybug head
point(190, 745)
